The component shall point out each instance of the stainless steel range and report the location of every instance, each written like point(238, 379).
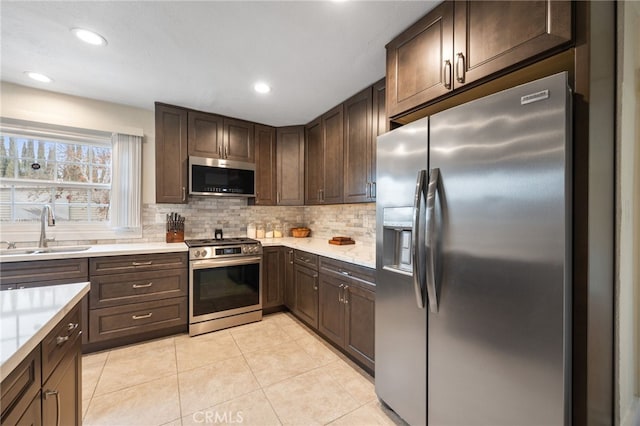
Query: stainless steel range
point(225, 285)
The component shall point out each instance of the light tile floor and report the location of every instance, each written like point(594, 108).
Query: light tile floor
point(272, 372)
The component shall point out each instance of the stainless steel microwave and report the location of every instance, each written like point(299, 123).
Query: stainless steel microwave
point(212, 176)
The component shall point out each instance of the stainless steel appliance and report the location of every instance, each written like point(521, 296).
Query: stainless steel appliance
point(225, 287)
point(474, 261)
point(213, 176)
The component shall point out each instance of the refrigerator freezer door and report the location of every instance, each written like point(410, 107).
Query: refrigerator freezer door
point(401, 326)
point(499, 345)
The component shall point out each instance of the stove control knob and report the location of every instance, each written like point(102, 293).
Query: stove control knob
point(203, 252)
point(197, 253)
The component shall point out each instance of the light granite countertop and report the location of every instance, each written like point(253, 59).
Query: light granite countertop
point(357, 253)
point(97, 250)
point(28, 315)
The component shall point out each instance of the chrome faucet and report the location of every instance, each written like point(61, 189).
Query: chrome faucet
point(47, 214)
point(10, 244)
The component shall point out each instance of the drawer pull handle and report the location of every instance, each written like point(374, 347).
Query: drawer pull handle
point(137, 317)
point(348, 274)
point(61, 339)
point(50, 393)
point(149, 262)
point(345, 298)
point(72, 326)
point(142, 285)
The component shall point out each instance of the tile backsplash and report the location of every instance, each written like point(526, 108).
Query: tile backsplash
point(204, 214)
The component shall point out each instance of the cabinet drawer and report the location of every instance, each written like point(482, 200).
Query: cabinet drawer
point(306, 259)
point(345, 269)
point(120, 289)
point(136, 263)
point(60, 340)
point(52, 271)
point(20, 387)
point(127, 320)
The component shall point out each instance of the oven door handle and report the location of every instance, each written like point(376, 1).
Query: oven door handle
point(218, 263)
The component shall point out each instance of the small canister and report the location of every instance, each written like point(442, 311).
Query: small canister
point(251, 230)
point(269, 232)
point(259, 230)
point(277, 231)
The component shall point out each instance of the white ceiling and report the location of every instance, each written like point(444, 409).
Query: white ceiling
point(206, 55)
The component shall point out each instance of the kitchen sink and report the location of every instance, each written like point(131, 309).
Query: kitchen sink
point(36, 250)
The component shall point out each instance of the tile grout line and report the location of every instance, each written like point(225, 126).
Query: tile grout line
point(93, 393)
point(175, 352)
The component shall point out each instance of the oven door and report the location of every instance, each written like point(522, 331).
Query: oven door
point(224, 287)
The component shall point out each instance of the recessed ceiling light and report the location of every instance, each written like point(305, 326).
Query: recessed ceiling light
point(38, 77)
point(89, 37)
point(261, 87)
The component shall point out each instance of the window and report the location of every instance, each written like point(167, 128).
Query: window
point(90, 179)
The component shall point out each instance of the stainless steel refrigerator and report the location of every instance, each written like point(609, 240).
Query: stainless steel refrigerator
point(474, 261)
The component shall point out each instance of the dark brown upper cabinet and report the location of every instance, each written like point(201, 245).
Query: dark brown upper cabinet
point(290, 166)
point(462, 42)
point(238, 140)
point(419, 61)
point(490, 36)
point(380, 126)
point(265, 156)
point(171, 154)
point(206, 135)
point(358, 147)
point(324, 155)
point(214, 136)
point(314, 162)
point(333, 137)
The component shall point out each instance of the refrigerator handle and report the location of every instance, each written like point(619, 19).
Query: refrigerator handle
point(418, 259)
point(432, 189)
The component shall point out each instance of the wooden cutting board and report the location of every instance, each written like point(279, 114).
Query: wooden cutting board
point(341, 241)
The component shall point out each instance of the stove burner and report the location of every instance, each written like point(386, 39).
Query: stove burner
point(207, 242)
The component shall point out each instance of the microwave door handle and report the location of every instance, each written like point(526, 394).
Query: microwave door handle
point(418, 258)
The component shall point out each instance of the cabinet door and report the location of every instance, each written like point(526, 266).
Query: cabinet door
point(62, 392)
point(238, 140)
point(333, 138)
point(493, 35)
point(290, 166)
point(419, 61)
point(171, 154)
point(358, 146)
point(272, 277)
point(331, 321)
point(265, 141)
point(33, 415)
point(289, 280)
point(205, 135)
point(380, 126)
point(306, 305)
point(314, 163)
point(360, 319)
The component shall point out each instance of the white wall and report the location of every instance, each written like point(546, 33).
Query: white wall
point(25, 103)
point(627, 404)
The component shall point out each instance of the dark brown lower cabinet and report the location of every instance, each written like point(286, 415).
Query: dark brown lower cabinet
point(46, 387)
point(136, 297)
point(289, 279)
point(273, 275)
point(359, 323)
point(346, 315)
point(33, 415)
point(306, 294)
point(62, 392)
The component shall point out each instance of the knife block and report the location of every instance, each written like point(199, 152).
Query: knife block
point(175, 236)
